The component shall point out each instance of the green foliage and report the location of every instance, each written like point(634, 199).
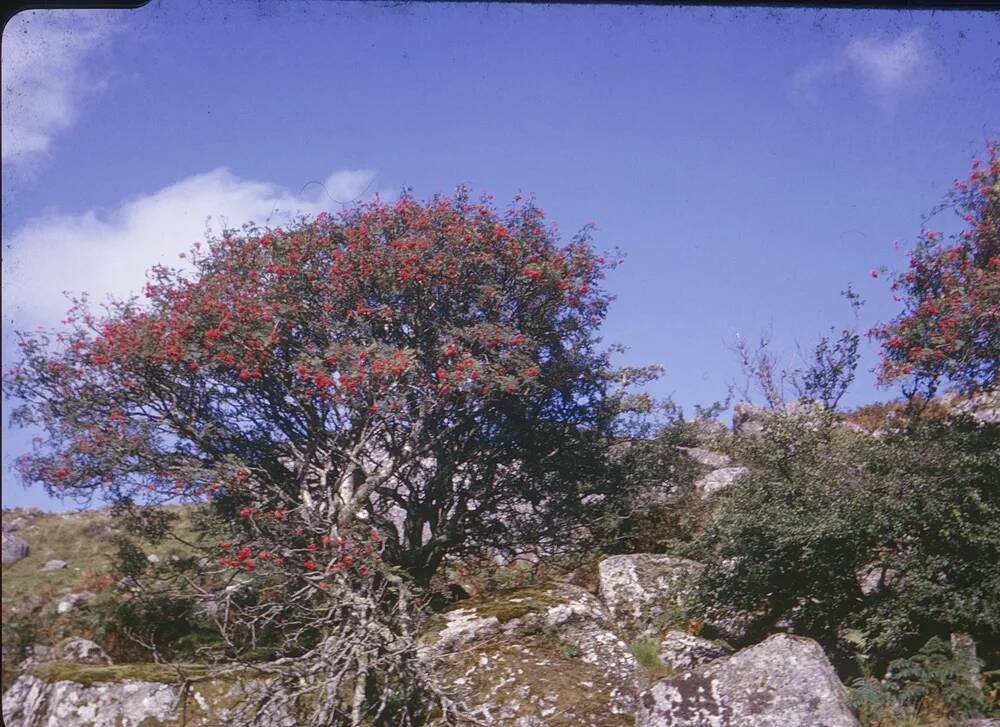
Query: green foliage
point(568, 650)
point(646, 651)
point(19, 633)
point(823, 506)
point(934, 682)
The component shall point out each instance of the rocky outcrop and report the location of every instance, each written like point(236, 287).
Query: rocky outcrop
point(707, 432)
point(62, 694)
point(874, 578)
point(784, 681)
point(680, 650)
point(544, 655)
point(83, 651)
point(14, 548)
point(32, 702)
point(750, 420)
point(554, 661)
point(536, 656)
point(719, 479)
point(646, 592)
point(983, 407)
point(707, 457)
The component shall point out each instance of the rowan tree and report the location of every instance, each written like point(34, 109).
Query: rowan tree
point(358, 396)
point(949, 329)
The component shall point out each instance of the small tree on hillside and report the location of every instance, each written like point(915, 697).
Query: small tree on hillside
point(949, 329)
point(358, 397)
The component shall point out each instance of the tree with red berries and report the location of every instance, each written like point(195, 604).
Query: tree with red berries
point(949, 330)
point(359, 397)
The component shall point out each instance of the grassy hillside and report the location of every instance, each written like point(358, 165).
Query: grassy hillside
point(85, 540)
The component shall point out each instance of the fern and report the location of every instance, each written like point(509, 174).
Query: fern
point(937, 680)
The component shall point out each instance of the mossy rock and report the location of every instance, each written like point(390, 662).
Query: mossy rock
point(540, 655)
point(514, 603)
point(538, 680)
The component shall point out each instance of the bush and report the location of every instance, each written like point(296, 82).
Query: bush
point(916, 511)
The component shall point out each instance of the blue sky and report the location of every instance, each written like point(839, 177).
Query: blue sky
point(751, 163)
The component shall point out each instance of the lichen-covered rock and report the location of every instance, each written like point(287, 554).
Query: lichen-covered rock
point(537, 656)
point(463, 625)
point(645, 591)
point(707, 431)
point(751, 421)
point(874, 578)
point(40, 653)
point(63, 694)
point(83, 651)
point(719, 479)
point(785, 681)
point(14, 548)
point(32, 702)
point(748, 419)
point(680, 650)
point(707, 457)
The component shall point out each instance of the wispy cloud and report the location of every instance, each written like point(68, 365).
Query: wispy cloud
point(45, 78)
point(108, 253)
point(886, 68)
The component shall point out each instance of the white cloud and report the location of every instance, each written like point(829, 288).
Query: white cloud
point(44, 77)
point(887, 68)
point(108, 254)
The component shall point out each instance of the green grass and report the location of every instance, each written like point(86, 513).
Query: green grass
point(85, 541)
point(80, 539)
point(646, 651)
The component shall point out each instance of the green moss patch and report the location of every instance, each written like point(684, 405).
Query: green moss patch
point(515, 603)
point(87, 674)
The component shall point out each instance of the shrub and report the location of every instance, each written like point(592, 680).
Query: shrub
point(823, 506)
